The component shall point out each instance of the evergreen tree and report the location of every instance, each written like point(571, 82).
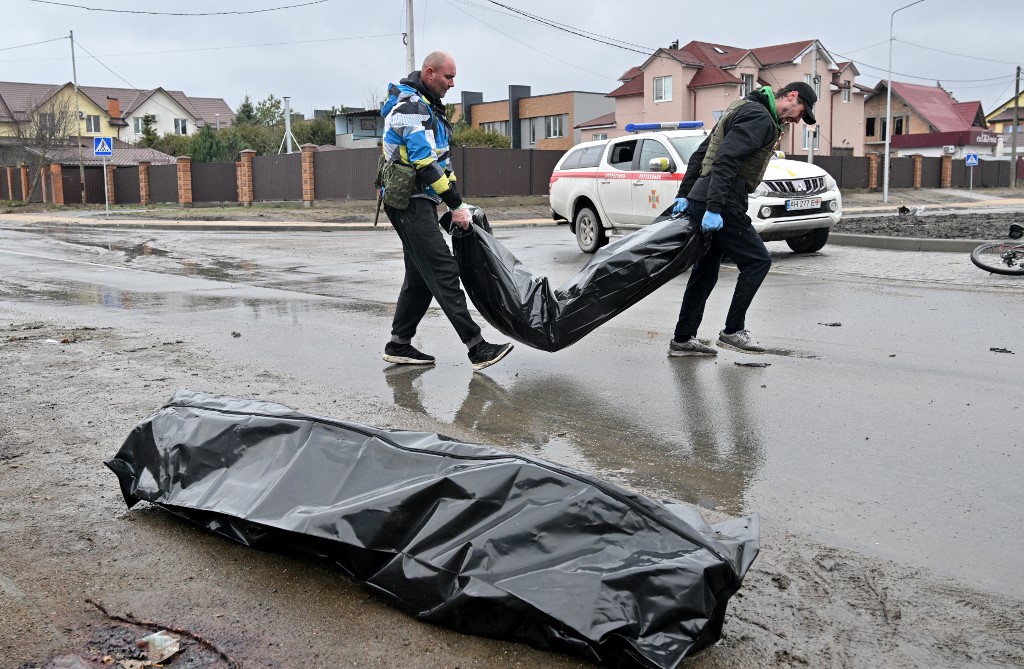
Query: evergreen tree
point(269, 111)
point(246, 114)
point(149, 136)
point(206, 146)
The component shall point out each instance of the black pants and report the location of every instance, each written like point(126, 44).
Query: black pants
point(739, 241)
point(430, 273)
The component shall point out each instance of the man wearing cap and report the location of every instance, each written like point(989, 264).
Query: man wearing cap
point(728, 166)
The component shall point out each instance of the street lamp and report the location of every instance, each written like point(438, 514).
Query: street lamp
point(888, 106)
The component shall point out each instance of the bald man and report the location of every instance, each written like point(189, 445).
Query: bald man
point(416, 133)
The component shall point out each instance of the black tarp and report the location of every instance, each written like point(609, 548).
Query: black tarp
point(528, 309)
point(461, 535)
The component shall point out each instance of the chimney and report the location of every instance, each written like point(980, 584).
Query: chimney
point(674, 45)
point(113, 107)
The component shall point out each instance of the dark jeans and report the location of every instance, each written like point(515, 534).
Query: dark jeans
point(739, 241)
point(430, 273)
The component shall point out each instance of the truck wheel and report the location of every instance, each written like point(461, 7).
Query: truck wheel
point(589, 233)
point(809, 243)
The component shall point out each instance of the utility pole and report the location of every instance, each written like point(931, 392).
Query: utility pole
point(78, 119)
point(1016, 129)
point(812, 132)
point(410, 40)
point(287, 128)
point(888, 105)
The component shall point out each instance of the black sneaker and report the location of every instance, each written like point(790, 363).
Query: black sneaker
point(484, 354)
point(691, 346)
point(741, 341)
point(406, 354)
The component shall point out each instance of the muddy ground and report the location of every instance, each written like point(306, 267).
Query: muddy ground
point(70, 395)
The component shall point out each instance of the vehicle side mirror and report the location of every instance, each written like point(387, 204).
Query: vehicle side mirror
point(660, 165)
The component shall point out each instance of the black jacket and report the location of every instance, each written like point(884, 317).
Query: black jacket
point(752, 129)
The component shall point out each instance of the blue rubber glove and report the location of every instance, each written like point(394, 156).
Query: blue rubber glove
point(711, 222)
point(680, 205)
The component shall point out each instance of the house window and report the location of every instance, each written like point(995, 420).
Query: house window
point(599, 135)
point(846, 93)
point(552, 126)
point(814, 82)
point(748, 85)
point(499, 127)
point(811, 133)
point(92, 123)
point(138, 124)
point(869, 127)
point(47, 122)
point(180, 126)
point(533, 131)
point(662, 89)
point(897, 126)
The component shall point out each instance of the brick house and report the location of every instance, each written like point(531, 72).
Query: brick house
point(926, 120)
point(535, 122)
point(699, 80)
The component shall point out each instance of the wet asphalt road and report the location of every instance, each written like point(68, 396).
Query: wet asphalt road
point(893, 434)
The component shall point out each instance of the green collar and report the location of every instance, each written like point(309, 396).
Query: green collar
point(767, 90)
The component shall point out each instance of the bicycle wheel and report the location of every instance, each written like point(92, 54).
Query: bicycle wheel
point(1000, 258)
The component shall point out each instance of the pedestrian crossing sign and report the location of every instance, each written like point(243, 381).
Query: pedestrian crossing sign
point(971, 159)
point(102, 146)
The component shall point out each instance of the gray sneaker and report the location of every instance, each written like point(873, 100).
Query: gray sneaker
point(740, 341)
point(690, 347)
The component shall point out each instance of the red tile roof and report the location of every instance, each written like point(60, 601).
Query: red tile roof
point(706, 53)
point(631, 73)
point(634, 86)
point(969, 111)
point(933, 103)
point(780, 53)
point(712, 76)
point(605, 120)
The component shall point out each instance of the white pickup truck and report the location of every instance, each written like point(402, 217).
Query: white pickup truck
point(625, 183)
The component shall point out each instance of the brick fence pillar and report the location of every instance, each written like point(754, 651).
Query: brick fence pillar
point(10, 182)
point(144, 182)
point(308, 180)
point(947, 172)
point(185, 181)
point(873, 171)
point(42, 184)
point(57, 183)
point(111, 197)
point(917, 170)
point(25, 195)
point(245, 185)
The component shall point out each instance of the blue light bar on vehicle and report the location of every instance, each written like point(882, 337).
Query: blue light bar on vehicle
point(675, 125)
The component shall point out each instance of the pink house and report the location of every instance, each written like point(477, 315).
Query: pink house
point(701, 79)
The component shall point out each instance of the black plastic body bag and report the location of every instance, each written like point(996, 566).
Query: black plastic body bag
point(528, 309)
point(460, 535)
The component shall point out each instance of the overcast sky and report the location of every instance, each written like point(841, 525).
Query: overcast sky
point(337, 52)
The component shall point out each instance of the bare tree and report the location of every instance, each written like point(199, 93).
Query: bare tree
point(373, 99)
point(50, 126)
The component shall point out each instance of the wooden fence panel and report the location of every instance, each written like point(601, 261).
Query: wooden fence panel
point(277, 178)
point(214, 182)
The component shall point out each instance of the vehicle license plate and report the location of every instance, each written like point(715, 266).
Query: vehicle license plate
point(809, 203)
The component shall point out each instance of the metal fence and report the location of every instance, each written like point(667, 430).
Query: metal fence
point(345, 175)
point(849, 172)
point(5, 192)
point(277, 178)
point(126, 185)
point(73, 185)
point(163, 183)
point(214, 182)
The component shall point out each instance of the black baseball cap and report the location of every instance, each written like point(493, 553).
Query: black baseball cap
point(807, 96)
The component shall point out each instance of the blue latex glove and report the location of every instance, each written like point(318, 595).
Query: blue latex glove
point(711, 222)
point(680, 205)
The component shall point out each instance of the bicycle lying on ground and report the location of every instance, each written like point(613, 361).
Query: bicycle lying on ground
point(1002, 257)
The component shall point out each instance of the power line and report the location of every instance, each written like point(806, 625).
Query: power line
point(22, 46)
point(618, 44)
point(211, 48)
point(961, 55)
point(865, 48)
point(598, 74)
point(912, 76)
point(139, 11)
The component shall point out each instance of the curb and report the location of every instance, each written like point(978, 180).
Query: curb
point(905, 243)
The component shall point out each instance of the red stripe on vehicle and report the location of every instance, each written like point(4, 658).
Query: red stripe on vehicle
point(646, 176)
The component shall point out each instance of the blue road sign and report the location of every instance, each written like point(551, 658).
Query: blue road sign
point(971, 159)
point(102, 146)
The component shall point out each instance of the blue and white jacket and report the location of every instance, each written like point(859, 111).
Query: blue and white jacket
point(416, 133)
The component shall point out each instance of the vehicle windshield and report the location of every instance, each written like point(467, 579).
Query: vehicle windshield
point(685, 146)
